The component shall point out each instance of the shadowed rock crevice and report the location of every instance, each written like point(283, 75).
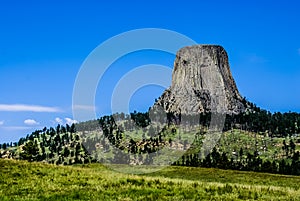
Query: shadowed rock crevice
point(202, 82)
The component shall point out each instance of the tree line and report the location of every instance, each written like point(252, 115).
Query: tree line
point(71, 144)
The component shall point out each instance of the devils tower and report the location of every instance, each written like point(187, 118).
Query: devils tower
point(202, 82)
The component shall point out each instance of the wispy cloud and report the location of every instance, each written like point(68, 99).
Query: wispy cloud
point(27, 108)
point(1, 123)
point(254, 58)
point(66, 120)
point(84, 107)
point(16, 128)
point(31, 122)
point(58, 120)
point(70, 121)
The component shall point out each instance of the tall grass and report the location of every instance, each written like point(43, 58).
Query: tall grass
point(21, 180)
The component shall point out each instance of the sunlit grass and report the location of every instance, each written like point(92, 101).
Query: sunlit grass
point(36, 181)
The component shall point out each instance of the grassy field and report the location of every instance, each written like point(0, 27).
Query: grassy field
point(20, 180)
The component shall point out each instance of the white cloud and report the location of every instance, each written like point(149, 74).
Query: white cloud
point(58, 120)
point(27, 108)
point(84, 107)
point(70, 121)
point(1, 123)
point(66, 120)
point(16, 128)
point(31, 122)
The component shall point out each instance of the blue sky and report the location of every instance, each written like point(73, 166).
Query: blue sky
point(44, 43)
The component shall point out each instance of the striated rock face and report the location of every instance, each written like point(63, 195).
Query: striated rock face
point(202, 82)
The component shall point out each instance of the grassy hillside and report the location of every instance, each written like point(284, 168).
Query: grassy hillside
point(22, 180)
point(135, 140)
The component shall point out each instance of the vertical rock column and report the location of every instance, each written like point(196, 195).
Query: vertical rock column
point(202, 82)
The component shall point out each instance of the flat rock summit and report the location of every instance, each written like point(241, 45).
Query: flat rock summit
point(202, 82)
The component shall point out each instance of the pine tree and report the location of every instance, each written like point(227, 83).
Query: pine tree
point(30, 151)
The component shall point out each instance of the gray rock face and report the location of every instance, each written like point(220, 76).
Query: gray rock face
point(202, 82)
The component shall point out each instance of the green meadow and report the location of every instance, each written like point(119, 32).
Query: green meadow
point(21, 180)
